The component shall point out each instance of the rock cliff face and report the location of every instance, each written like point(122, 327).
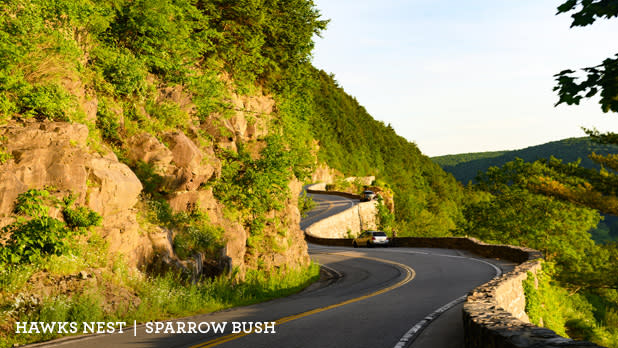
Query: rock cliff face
point(57, 154)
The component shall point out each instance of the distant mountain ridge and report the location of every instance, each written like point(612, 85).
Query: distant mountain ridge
point(466, 166)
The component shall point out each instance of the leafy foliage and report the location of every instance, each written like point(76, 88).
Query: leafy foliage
point(257, 186)
point(386, 219)
point(600, 78)
point(261, 40)
point(193, 231)
point(551, 206)
point(80, 217)
point(39, 234)
point(305, 204)
point(584, 315)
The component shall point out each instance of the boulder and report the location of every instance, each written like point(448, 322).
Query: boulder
point(146, 148)
point(192, 166)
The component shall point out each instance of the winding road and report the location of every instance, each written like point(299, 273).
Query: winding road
point(366, 298)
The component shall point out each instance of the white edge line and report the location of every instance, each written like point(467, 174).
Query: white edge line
point(408, 337)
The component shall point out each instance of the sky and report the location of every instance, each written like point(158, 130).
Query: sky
point(464, 76)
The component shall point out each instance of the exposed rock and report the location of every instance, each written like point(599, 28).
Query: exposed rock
point(235, 246)
point(235, 235)
point(183, 166)
point(190, 200)
point(55, 154)
point(112, 186)
point(177, 95)
point(43, 154)
point(193, 167)
point(184, 152)
point(325, 174)
point(286, 247)
point(249, 121)
point(148, 149)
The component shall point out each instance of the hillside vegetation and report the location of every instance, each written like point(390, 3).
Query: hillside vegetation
point(466, 166)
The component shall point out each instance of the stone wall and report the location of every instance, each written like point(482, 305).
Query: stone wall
point(349, 222)
point(321, 189)
point(494, 316)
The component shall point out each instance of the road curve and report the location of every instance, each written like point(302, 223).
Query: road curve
point(370, 298)
point(326, 205)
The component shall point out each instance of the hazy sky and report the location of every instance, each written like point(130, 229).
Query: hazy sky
point(464, 76)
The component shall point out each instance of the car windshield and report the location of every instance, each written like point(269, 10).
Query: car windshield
point(379, 234)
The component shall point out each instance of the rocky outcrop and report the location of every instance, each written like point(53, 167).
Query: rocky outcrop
point(177, 165)
point(248, 121)
point(324, 174)
point(185, 165)
point(182, 165)
point(55, 154)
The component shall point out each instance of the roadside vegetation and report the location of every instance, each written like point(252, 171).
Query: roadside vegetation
point(54, 269)
point(545, 206)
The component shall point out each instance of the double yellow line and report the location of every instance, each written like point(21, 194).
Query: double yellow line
point(409, 275)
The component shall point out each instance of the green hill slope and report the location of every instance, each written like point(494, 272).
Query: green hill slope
point(465, 167)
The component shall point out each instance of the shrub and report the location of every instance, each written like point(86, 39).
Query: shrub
point(107, 122)
point(49, 101)
point(81, 217)
point(32, 239)
point(305, 204)
point(41, 235)
point(122, 69)
point(198, 237)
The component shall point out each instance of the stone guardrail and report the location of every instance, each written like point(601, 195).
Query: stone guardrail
point(493, 313)
point(332, 193)
point(349, 222)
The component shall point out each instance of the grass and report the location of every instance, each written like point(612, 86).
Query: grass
point(158, 298)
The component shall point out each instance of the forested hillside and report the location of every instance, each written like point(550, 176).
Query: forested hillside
point(427, 200)
point(465, 167)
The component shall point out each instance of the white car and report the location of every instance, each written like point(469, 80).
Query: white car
point(367, 196)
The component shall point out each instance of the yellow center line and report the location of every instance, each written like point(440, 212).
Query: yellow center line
point(409, 275)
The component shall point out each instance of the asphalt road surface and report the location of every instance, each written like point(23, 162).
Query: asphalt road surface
point(366, 298)
point(326, 205)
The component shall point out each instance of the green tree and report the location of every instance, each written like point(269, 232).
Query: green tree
point(602, 78)
point(509, 208)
